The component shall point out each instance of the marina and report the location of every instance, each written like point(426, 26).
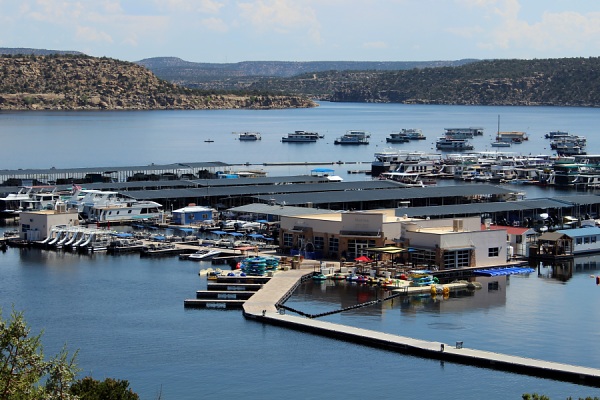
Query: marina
point(490, 320)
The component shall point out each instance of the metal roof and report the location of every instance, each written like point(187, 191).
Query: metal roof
point(579, 199)
point(269, 191)
point(151, 167)
point(261, 208)
point(480, 208)
point(388, 194)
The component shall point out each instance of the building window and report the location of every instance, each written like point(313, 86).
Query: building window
point(334, 245)
point(456, 259)
point(493, 252)
point(288, 240)
point(579, 240)
point(586, 240)
point(423, 258)
point(593, 239)
point(356, 247)
point(319, 242)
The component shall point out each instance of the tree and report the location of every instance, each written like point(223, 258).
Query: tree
point(91, 389)
point(22, 364)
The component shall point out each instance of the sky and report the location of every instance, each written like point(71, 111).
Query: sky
point(227, 31)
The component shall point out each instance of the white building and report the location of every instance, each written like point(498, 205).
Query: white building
point(441, 243)
point(454, 243)
point(37, 225)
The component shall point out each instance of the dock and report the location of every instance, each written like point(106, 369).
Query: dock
point(264, 307)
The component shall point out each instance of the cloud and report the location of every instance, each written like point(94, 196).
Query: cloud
point(215, 24)
point(91, 34)
point(200, 6)
point(281, 16)
point(562, 32)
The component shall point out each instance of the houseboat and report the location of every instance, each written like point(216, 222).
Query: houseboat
point(126, 211)
point(451, 144)
point(511, 137)
point(249, 136)
point(301, 137)
point(463, 133)
point(397, 137)
point(353, 138)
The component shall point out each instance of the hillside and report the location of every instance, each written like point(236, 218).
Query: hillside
point(241, 75)
point(560, 82)
point(79, 82)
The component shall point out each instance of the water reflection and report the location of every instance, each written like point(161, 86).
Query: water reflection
point(562, 270)
point(321, 297)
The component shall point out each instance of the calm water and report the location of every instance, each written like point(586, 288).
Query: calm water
point(126, 313)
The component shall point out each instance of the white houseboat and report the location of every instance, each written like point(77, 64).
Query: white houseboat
point(301, 137)
point(353, 138)
point(451, 144)
point(249, 136)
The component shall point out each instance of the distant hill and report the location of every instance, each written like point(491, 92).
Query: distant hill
point(37, 52)
point(560, 82)
point(79, 82)
point(242, 74)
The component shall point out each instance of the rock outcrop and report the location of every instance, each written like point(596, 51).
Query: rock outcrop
point(77, 82)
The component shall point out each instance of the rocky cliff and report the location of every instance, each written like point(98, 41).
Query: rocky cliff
point(78, 82)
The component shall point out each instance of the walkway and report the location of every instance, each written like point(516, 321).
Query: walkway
point(263, 308)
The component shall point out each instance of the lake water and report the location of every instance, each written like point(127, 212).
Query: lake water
point(125, 314)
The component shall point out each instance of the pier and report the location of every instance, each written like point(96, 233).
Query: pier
point(264, 307)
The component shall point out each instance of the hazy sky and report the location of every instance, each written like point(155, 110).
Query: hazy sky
point(306, 30)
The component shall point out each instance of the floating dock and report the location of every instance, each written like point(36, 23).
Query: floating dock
point(263, 307)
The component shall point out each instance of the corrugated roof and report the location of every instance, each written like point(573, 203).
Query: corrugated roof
point(269, 191)
point(151, 167)
point(480, 208)
point(260, 208)
point(588, 231)
point(389, 194)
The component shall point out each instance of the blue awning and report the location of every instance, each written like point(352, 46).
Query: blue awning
point(236, 234)
point(219, 232)
point(187, 230)
point(256, 236)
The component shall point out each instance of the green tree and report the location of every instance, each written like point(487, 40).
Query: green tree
point(91, 389)
point(22, 364)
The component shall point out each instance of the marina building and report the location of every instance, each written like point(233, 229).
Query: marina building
point(438, 244)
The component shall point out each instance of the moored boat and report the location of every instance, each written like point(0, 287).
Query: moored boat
point(353, 138)
point(301, 137)
point(249, 136)
point(451, 144)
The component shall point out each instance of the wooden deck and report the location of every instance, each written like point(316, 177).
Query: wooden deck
point(262, 307)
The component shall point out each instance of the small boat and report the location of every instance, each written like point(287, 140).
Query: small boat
point(319, 277)
point(501, 144)
point(209, 141)
point(249, 136)
point(203, 255)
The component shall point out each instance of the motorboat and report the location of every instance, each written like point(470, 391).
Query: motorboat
point(204, 255)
